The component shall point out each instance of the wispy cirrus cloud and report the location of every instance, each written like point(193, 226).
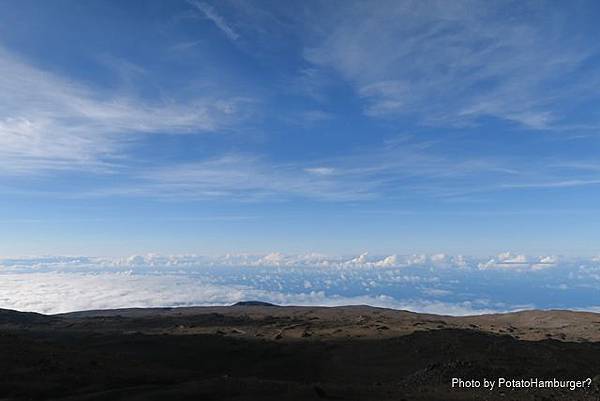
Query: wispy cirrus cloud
point(404, 168)
point(242, 177)
point(50, 122)
point(456, 62)
point(365, 174)
point(451, 63)
point(211, 14)
point(555, 184)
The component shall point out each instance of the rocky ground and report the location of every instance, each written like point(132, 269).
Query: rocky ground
point(262, 352)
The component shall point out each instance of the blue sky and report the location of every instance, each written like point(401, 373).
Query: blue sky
point(332, 127)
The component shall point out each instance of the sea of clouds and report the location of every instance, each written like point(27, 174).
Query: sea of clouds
point(438, 283)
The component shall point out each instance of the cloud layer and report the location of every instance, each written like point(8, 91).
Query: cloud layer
point(438, 283)
point(60, 293)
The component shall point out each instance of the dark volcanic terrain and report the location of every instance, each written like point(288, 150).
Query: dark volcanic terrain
point(255, 351)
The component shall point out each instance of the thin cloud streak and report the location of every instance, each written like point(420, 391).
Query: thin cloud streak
point(210, 13)
point(403, 169)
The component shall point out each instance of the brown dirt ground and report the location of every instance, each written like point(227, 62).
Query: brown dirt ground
point(292, 353)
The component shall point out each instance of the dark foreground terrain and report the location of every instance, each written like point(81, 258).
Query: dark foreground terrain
point(262, 352)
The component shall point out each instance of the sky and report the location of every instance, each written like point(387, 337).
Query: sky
point(331, 128)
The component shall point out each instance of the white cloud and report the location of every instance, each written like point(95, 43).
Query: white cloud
point(413, 282)
point(312, 116)
point(507, 260)
point(435, 292)
point(272, 259)
point(360, 260)
point(320, 170)
point(388, 261)
point(210, 13)
point(51, 122)
point(67, 292)
point(454, 62)
point(244, 177)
